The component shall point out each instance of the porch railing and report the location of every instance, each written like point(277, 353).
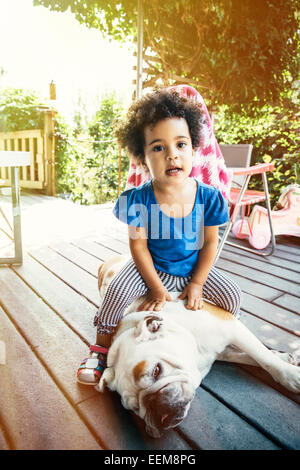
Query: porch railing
point(33, 176)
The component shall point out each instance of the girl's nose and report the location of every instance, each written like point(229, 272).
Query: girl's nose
point(172, 156)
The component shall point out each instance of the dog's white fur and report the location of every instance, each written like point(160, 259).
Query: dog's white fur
point(158, 359)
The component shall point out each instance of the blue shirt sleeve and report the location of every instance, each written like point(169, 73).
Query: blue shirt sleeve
point(130, 208)
point(216, 209)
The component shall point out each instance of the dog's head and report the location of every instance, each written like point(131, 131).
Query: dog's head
point(152, 365)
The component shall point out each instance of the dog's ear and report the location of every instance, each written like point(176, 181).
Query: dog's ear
point(106, 380)
point(148, 327)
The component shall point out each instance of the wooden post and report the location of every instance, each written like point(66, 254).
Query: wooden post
point(15, 193)
point(49, 151)
point(139, 68)
point(53, 154)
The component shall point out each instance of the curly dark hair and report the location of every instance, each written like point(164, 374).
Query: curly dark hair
point(148, 111)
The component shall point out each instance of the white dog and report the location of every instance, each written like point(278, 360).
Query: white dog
point(158, 359)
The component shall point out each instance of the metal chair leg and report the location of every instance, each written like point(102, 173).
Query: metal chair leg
point(15, 193)
point(223, 240)
point(229, 225)
point(266, 189)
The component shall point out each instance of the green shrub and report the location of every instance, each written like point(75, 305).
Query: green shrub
point(105, 160)
point(19, 110)
point(86, 173)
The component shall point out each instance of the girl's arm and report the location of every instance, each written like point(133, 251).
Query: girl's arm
point(204, 263)
point(142, 258)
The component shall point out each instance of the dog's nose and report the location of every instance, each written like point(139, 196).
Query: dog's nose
point(168, 413)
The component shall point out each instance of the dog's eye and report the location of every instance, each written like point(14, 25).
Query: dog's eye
point(156, 371)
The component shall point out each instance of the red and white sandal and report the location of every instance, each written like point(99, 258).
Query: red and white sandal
point(92, 367)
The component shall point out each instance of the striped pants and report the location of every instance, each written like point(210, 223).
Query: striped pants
point(128, 285)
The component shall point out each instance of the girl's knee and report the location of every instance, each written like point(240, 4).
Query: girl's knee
point(236, 298)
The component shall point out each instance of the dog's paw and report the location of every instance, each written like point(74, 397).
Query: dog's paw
point(290, 358)
point(289, 377)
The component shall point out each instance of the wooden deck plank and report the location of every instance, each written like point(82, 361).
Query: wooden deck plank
point(263, 278)
point(77, 278)
point(95, 249)
point(270, 335)
point(79, 257)
point(250, 286)
point(288, 301)
point(286, 248)
point(70, 305)
point(272, 313)
point(261, 266)
point(286, 255)
point(119, 246)
point(273, 260)
point(33, 409)
point(272, 413)
point(213, 426)
point(265, 377)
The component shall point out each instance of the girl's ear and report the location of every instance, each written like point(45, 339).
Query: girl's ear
point(144, 165)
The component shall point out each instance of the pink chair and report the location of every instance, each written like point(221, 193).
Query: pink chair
point(244, 197)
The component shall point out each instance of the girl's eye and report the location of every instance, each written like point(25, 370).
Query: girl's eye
point(158, 148)
point(181, 145)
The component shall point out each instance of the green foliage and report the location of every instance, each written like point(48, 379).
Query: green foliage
point(274, 133)
point(19, 110)
point(86, 173)
point(106, 152)
point(66, 157)
point(115, 19)
point(233, 51)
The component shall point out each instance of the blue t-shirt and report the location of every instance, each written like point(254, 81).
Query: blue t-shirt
point(174, 243)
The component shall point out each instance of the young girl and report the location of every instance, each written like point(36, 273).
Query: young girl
point(172, 223)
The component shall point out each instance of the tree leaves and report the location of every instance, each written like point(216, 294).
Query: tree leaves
point(239, 48)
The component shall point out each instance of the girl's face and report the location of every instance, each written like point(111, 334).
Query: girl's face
point(168, 151)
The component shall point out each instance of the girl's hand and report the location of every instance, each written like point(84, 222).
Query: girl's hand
point(155, 299)
point(193, 292)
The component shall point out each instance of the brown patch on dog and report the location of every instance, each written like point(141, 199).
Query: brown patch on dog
point(107, 268)
point(218, 312)
point(100, 276)
point(139, 370)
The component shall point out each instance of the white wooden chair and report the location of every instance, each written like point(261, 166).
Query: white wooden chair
point(14, 160)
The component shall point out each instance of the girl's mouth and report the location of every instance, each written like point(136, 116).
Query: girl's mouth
point(173, 171)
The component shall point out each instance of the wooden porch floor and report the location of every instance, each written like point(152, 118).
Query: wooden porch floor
point(47, 307)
